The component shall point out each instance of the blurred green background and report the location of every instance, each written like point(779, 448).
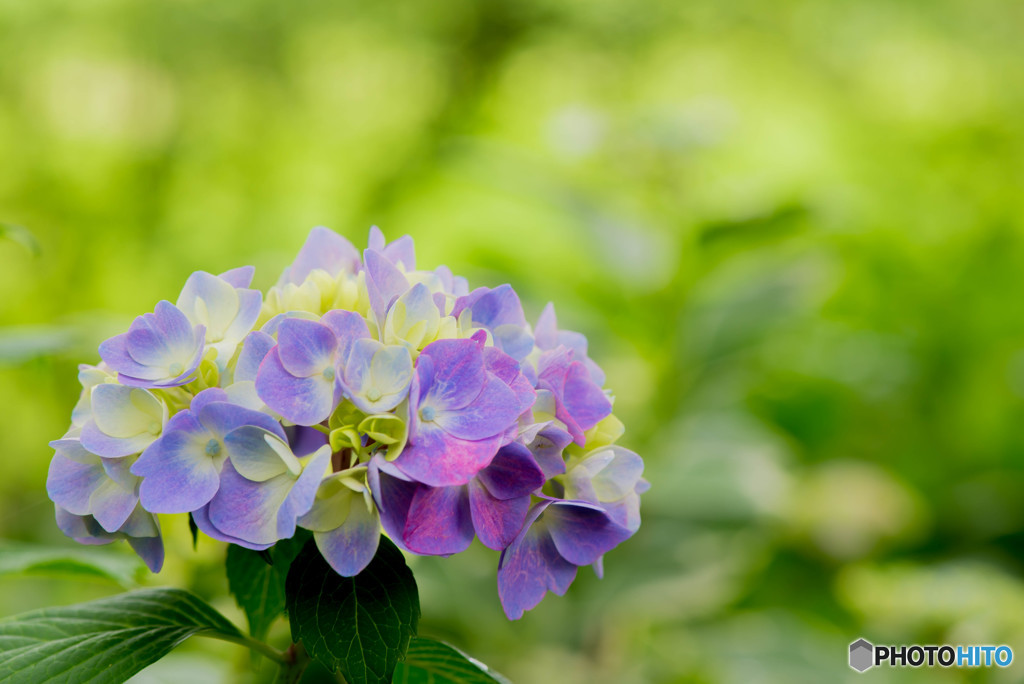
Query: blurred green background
point(793, 231)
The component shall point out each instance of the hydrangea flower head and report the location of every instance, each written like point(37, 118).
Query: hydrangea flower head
point(362, 395)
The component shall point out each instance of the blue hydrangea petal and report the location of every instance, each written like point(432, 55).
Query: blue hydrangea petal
point(70, 482)
point(439, 521)
point(150, 550)
point(248, 510)
point(496, 521)
point(255, 347)
point(263, 512)
point(221, 417)
point(179, 473)
point(201, 517)
point(582, 532)
point(530, 567)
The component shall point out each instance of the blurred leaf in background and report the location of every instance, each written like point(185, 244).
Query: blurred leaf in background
point(793, 233)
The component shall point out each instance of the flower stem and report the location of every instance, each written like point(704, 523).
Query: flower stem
point(253, 644)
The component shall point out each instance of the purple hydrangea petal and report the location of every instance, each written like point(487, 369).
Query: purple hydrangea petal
point(350, 548)
point(348, 326)
point(583, 399)
point(579, 403)
point(202, 519)
point(324, 250)
point(512, 473)
point(305, 347)
point(250, 303)
point(491, 308)
point(439, 522)
point(437, 459)
point(393, 493)
point(489, 413)
point(240, 277)
point(141, 529)
point(496, 521)
point(582, 532)
point(458, 373)
point(150, 550)
point(111, 504)
point(547, 448)
point(508, 370)
point(545, 333)
point(304, 440)
point(255, 348)
point(207, 396)
point(530, 567)
point(111, 447)
point(179, 472)
point(547, 336)
point(209, 300)
point(384, 283)
point(401, 251)
point(249, 510)
point(304, 401)
point(70, 482)
point(263, 512)
point(221, 417)
point(303, 493)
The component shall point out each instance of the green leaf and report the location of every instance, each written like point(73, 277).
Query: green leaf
point(107, 640)
point(258, 588)
point(76, 562)
point(359, 625)
point(435, 662)
point(256, 579)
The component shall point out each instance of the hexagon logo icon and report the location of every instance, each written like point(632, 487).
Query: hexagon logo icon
point(861, 655)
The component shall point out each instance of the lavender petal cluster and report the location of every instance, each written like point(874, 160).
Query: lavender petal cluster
point(359, 395)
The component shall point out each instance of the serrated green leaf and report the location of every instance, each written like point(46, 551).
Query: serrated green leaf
point(76, 562)
point(103, 641)
point(435, 662)
point(360, 626)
